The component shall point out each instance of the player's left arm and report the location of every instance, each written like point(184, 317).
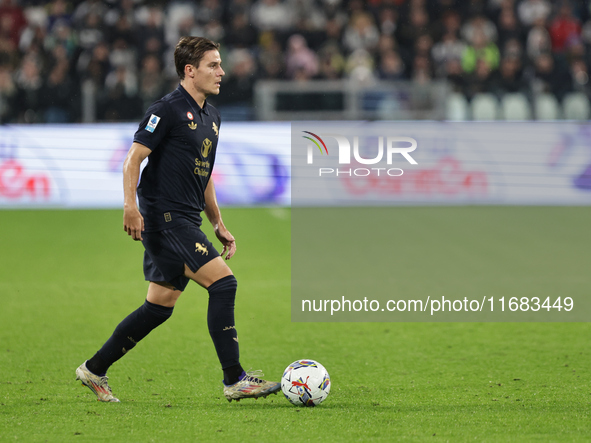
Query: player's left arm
point(212, 211)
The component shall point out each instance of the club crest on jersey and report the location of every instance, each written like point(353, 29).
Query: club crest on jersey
point(205, 147)
point(201, 248)
point(192, 125)
point(189, 116)
point(152, 123)
point(215, 129)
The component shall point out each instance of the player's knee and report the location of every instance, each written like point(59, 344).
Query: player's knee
point(222, 296)
point(161, 312)
point(163, 294)
point(225, 285)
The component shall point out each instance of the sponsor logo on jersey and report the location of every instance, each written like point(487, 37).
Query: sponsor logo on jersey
point(192, 125)
point(206, 147)
point(215, 129)
point(152, 123)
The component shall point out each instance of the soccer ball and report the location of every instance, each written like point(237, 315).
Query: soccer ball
point(305, 383)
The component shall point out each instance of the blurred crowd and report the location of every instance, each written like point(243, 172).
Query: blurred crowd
point(122, 51)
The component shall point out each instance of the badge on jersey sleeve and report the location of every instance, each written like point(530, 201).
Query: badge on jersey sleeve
point(152, 123)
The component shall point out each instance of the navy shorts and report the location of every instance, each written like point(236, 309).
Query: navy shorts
point(169, 250)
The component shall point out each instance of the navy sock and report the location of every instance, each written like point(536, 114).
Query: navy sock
point(220, 321)
point(233, 374)
point(127, 334)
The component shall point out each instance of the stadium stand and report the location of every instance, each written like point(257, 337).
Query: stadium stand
point(82, 61)
point(576, 106)
point(485, 106)
point(457, 108)
point(515, 106)
point(546, 107)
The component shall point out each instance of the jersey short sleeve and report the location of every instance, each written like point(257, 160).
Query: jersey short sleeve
point(154, 126)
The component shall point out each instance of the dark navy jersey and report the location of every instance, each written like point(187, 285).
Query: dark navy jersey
point(183, 139)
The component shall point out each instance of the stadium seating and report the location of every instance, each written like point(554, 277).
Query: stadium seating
point(576, 106)
point(546, 107)
point(515, 106)
point(485, 106)
point(457, 107)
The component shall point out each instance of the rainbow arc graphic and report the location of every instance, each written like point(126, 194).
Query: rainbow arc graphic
point(315, 142)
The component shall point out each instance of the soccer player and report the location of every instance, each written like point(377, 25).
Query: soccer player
point(179, 136)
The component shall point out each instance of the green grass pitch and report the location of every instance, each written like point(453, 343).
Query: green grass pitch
point(68, 277)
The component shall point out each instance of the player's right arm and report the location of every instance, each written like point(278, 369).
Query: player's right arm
point(133, 222)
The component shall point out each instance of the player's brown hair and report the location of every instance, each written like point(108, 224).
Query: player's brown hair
point(190, 51)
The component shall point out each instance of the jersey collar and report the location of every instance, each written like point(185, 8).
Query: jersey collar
point(192, 101)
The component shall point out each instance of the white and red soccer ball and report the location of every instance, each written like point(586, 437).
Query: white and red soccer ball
point(305, 383)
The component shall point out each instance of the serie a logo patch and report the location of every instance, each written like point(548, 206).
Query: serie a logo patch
point(152, 123)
